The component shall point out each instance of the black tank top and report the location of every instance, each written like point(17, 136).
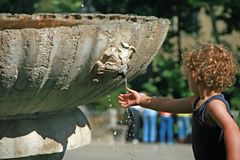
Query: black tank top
point(207, 142)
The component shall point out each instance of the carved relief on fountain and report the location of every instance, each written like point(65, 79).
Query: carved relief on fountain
point(116, 59)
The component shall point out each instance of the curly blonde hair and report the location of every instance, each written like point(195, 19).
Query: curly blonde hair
point(212, 64)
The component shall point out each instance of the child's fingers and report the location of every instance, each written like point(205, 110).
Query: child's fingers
point(123, 96)
point(120, 96)
point(122, 100)
point(123, 104)
point(130, 90)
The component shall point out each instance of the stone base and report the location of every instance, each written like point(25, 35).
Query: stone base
point(44, 135)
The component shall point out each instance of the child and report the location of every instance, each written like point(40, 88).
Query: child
point(209, 69)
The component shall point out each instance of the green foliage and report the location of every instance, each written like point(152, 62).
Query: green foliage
point(108, 101)
point(149, 87)
point(110, 6)
point(17, 6)
point(58, 6)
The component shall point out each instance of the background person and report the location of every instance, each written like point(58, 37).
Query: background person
point(166, 127)
point(184, 127)
point(149, 125)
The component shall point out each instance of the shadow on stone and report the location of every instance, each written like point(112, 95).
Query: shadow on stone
point(54, 130)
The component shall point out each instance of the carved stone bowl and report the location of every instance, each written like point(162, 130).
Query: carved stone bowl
point(53, 61)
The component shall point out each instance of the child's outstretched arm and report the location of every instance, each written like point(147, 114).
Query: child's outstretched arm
point(182, 105)
point(218, 112)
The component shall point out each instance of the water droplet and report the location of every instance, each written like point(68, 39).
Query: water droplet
point(95, 80)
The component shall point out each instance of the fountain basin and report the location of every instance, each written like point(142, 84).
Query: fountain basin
point(52, 63)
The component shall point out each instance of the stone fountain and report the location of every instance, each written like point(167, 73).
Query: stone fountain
point(52, 63)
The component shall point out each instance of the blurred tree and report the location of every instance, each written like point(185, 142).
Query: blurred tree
point(110, 6)
point(223, 10)
point(228, 12)
point(17, 6)
point(58, 6)
point(33, 6)
point(87, 7)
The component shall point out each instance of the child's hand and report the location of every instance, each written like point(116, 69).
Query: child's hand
point(129, 99)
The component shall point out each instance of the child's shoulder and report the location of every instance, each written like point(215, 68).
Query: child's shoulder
point(218, 101)
point(218, 107)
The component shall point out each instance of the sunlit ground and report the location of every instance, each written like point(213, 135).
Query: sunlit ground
point(141, 151)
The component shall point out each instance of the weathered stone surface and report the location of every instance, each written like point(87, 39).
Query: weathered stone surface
point(53, 61)
point(43, 136)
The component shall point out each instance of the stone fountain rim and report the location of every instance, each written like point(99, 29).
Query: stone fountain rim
point(43, 20)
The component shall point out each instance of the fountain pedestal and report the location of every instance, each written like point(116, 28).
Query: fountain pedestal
point(43, 135)
point(52, 63)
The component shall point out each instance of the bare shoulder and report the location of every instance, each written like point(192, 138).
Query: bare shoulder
point(217, 110)
point(216, 106)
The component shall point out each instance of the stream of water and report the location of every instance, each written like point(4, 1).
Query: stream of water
point(116, 133)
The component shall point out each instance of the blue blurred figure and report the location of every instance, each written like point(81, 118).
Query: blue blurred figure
point(149, 125)
point(184, 127)
point(166, 127)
